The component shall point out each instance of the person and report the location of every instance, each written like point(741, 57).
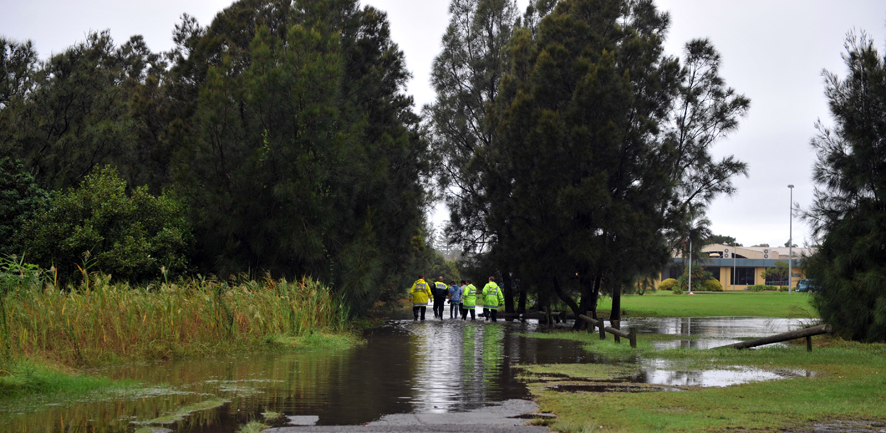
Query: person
point(440, 291)
point(419, 294)
point(468, 301)
point(492, 298)
point(454, 301)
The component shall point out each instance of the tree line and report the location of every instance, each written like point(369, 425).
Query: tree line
point(573, 153)
point(277, 139)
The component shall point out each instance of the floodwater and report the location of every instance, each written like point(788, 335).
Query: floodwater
point(404, 367)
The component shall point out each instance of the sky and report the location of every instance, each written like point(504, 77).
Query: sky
point(773, 51)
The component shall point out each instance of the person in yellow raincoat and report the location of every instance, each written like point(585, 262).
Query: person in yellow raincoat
point(419, 292)
point(468, 301)
point(492, 298)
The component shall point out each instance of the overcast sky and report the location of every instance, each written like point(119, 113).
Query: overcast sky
point(773, 51)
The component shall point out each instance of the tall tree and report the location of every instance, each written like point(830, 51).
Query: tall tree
point(466, 77)
point(600, 139)
point(306, 157)
point(849, 211)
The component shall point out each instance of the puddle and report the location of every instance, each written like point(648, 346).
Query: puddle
point(608, 387)
point(405, 367)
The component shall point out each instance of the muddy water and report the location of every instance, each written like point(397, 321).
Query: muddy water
point(404, 367)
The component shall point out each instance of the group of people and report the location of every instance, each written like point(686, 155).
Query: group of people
point(462, 298)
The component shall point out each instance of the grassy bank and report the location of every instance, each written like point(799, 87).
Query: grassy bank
point(103, 323)
point(748, 304)
point(845, 382)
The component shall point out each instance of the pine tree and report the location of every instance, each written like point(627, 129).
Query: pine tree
point(849, 210)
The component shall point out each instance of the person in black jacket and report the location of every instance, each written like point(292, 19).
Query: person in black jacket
point(440, 292)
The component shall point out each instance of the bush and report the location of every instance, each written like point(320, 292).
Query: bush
point(760, 288)
point(132, 237)
point(667, 284)
point(677, 290)
point(713, 285)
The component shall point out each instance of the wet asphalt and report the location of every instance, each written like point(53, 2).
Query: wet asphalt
point(507, 417)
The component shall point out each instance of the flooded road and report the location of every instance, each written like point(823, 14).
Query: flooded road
point(404, 367)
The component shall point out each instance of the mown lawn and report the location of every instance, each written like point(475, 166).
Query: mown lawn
point(742, 304)
point(846, 382)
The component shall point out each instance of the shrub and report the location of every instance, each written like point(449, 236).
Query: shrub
point(131, 237)
point(760, 288)
point(677, 290)
point(713, 285)
point(667, 284)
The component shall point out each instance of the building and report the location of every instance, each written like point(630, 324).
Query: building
point(739, 267)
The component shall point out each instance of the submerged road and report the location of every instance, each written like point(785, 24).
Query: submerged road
point(507, 417)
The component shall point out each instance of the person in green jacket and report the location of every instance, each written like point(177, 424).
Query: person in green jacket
point(468, 301)
point(419, 292)
point(492, 298)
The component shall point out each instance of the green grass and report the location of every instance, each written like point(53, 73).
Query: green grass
point(104, 322)
point(34, 378)
point(848, 382)
point(744, 304)
point(252, 427)
point(187, 410)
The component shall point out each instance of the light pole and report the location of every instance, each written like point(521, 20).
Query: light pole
point(791, 242)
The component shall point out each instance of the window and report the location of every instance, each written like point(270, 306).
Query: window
point(671, 272)
point(743, 277)
point(714, 270)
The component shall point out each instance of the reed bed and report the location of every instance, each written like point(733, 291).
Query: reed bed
point(101, 322)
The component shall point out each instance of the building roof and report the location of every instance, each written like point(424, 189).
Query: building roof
point(721, 251)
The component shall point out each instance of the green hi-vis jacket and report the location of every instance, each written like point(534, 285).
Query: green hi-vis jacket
point(492, 296)
point(419, 292)
point(469, 297)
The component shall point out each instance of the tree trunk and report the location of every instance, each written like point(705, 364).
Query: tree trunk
point(521, 307)
point(508, 292)
point(616, 304)
point(569, 301)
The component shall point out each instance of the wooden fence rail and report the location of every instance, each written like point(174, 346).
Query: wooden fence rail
point(631, 335)
point(808, 333)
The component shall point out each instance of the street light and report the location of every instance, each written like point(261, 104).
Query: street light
point(791, 241)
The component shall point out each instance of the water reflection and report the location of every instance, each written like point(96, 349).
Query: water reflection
point(711, 332)
point(404, 367)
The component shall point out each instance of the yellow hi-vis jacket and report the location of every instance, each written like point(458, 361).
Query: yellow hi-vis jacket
point(419, 293)
point(441, 289)
point(492, 296)
point(469, 297)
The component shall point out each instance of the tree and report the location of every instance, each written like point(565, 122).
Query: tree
point(133, 236)
point(723, 240)
point(304, 156)
point(19, 199)
point(466, 76)
point(760, 245)
point(779, 272)
point(601, 148)
point(787, 243)
point(848, 214)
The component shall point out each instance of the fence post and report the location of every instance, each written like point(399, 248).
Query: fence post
point(809, 343)
point(602, 329)
point(615, 324)
point(633, 337)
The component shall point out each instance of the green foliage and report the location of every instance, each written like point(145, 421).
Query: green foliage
point(713, 285)
point(723, 240)
point(132, 236)
point(699, 278)
point(762, 288)
point(305, 157)
point(667, 284)
point(779, 272)
point(849, 211)
point(19, 198)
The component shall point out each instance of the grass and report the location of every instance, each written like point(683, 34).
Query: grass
point(848, 382)
point(28, 378)
point(106, 323)
point(49, 333)
point(252, 427)
point(714, 304)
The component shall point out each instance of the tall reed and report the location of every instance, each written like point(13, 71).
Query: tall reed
point(101, 321)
